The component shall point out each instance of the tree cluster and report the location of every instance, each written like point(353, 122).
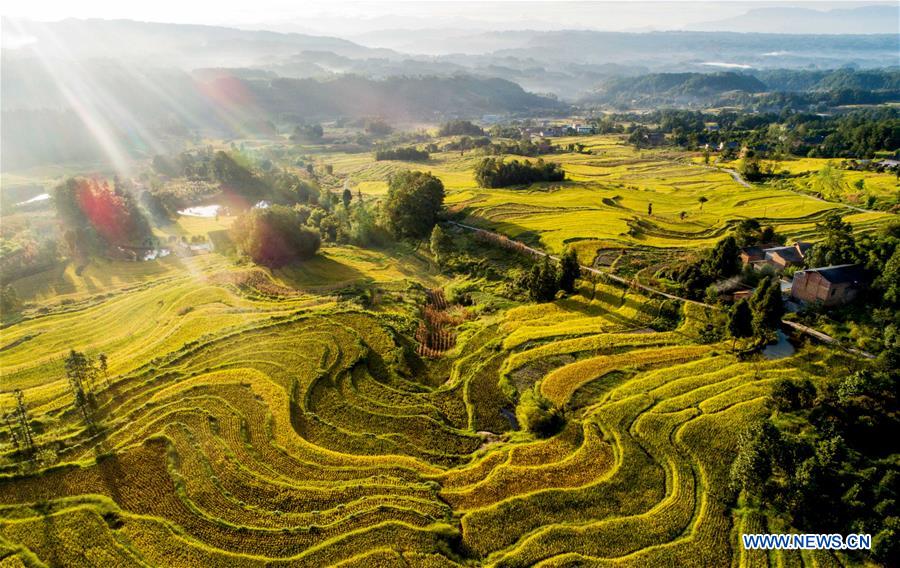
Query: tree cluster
point(829, 464)
point(495, 172)
point(546, 278)
point(719, 263)
point(460, 128)
point(749, 232)
point(409, 154)
point(274, 236)
point(95, 216)
point(412, 205)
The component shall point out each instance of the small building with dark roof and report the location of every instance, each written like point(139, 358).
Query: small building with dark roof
point(782, 257)
point(829, 285)
point(755, 253)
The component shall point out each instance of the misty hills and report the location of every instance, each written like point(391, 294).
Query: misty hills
point(183, 45)
point(876, 19)
point(672, 89)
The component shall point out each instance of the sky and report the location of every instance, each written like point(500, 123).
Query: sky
point(347, 18)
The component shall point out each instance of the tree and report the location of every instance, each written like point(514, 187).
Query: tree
point(767, 307)
point(649, 209)
point(889, 280)
point(347, 197)
point(569, 270)
point(536, 414)
point(722, 261)
point(23, 432)
point(104, 367)
point(460, 127)
point(740, 321)
point(307, 132)
point(81, 373)
point(750, 168)
point(274, 236)
point(378, 127)
point(413, 202)
point(9, 301)
point(702, 199)
point(543, 281)
point(93, 214)
point(753, 464)
point(829, 182)
point(237, 178)
point(838, 246)
point(440, 243)
point(788, 395)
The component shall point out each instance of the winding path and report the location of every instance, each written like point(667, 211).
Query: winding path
point(737, 178)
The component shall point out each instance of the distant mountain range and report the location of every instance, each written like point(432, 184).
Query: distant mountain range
point(877, 19)
point(145, 82)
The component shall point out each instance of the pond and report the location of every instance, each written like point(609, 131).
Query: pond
point(201, 211)
point(780, 349)
point(35, 199)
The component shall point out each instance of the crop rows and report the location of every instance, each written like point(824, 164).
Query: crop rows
point(311, 435)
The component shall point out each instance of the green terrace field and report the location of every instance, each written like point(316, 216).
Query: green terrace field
point(882, 185)
point(605, 199)
point(257, 419)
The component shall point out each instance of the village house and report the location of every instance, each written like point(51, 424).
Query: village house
point(755, 253)
point(782, 257)
point(778, 257)
point(582, 128)
point(829, 285)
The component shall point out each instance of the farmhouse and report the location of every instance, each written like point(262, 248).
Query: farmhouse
point(782, 257)
point(582, 128)
point(755, 253)
point(829, 285)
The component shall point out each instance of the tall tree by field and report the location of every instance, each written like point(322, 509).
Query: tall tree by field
point(439, 243)
point(723, 261)
point(829, 182)
point(750, 169)
point(740, 321)
point(838, 245)
point(543, 281)
point(22, 433)
point(81, 373)
point(412, 205)
point(274, 236)
point(569, 270)
point(103, 366)
point(767, 307)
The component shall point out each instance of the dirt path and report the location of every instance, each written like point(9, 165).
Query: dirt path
point(632, 283)
point(737, 177)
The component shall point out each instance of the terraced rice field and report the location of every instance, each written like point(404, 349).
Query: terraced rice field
point(605, 202)
point(269, 426)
